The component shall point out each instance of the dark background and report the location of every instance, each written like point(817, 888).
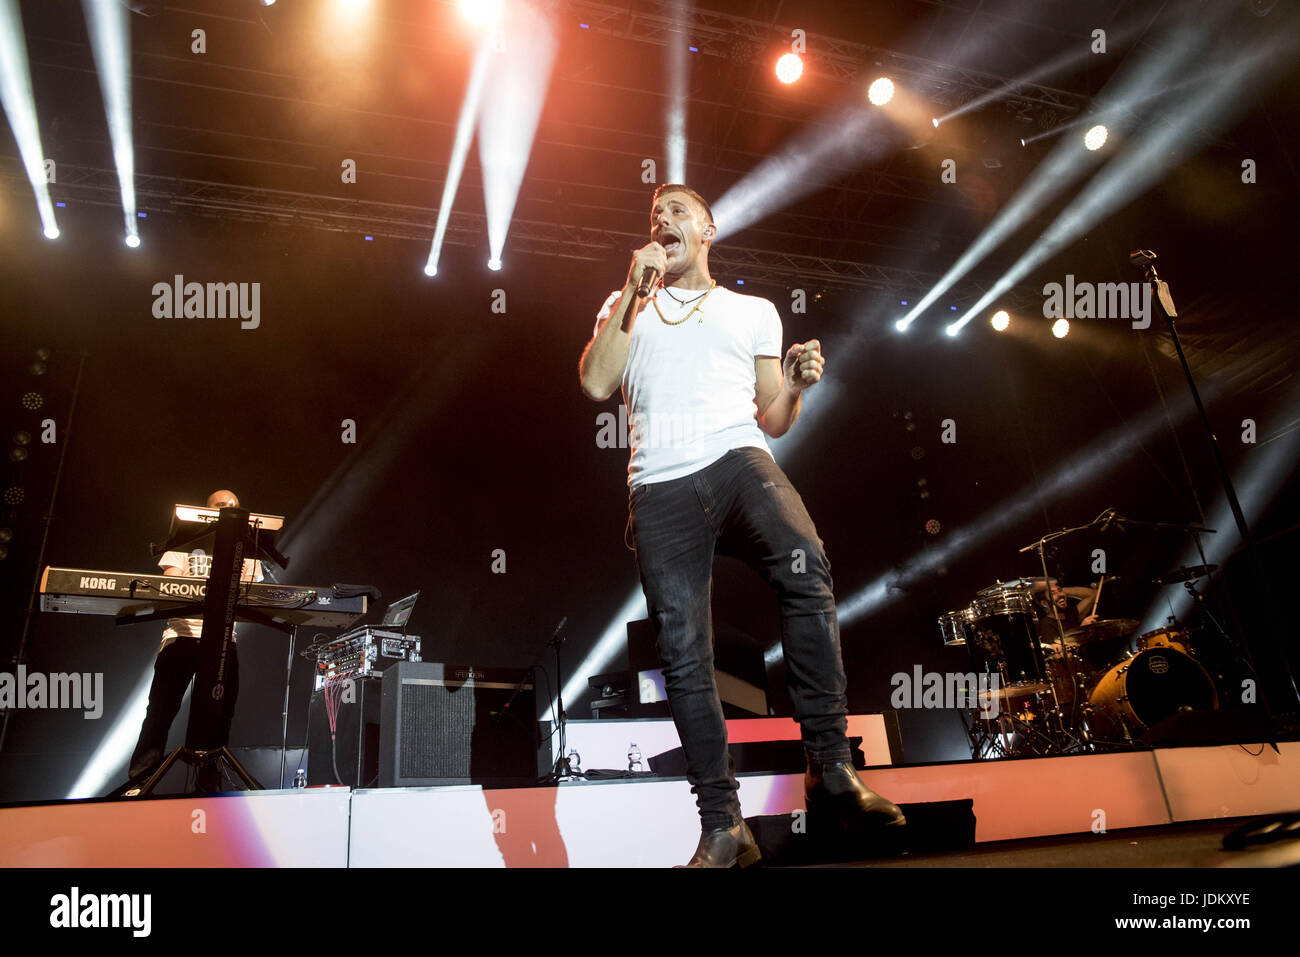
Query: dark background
point(472, 432)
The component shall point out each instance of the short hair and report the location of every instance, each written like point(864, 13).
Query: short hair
point(679, 188)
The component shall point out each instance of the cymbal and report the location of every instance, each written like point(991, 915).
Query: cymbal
point(1185, 574)
point(1002, 587)
point(1104, 630)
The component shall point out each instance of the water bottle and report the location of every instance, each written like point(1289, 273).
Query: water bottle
point(634, 757)
point(300, 779)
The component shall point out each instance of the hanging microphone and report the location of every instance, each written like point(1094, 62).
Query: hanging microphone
point(645, 288)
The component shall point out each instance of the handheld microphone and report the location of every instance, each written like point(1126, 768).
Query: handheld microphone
point(649, 277)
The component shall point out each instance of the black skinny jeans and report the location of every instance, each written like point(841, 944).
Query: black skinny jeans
point(741, 505)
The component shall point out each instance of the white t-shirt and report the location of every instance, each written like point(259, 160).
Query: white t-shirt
point(197, 564)
point(689, 388)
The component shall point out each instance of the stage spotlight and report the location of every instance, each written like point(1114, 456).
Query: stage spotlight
point(133, 240)
point(469, 109)
point(1061, 328)
point(37, 368)
point(512, 108)
point(1095, 138)
point(14, 496)
point(480, 12)
point(881, 91)
point(22, 438)
point(901, 325)
point(6, 535)
point(109, 27)
point(494, 264)
point(952, 329)
point(17, 455)
point(51, 232)
point(1000, 320)
point(32, 401)
point(20, 107)
point(789, 68)
point(935, 121)
point(678, 66)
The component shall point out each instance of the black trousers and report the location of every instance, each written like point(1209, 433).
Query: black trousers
point(172, 673)
point(742, 505)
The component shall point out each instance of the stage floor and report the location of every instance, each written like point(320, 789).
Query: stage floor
point(1195, 844)
point(974, 806)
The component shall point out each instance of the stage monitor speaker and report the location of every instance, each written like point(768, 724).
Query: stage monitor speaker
point(1200, 728)
point(354, 751)
point(446, 724)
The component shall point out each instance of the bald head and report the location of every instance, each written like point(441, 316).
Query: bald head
point(223, 498)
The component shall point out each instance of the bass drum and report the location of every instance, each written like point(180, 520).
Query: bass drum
point(1143, 690)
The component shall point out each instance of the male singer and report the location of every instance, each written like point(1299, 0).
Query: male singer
point(703, 382)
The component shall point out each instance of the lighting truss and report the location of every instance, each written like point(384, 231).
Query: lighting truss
point(163, 195)
point(740, 38)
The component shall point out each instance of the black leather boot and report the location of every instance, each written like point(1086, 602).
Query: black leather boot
point(835, 790)
point(726, 847)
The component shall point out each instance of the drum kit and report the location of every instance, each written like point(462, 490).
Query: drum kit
point(1097, 688)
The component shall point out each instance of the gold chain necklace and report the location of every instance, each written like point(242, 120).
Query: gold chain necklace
point(654, 301)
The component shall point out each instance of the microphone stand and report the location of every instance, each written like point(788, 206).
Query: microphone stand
point(284, 717)
point(1144, 259)
point(560, 769)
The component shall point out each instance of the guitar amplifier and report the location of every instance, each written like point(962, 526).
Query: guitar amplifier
point(447, 724)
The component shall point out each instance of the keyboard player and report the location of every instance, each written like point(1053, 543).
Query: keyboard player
point(178, 659)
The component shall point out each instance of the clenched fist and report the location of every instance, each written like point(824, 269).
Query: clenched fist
point(803, 365)
point(653, 256)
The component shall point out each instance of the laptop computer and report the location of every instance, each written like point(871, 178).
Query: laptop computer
point(399, 612)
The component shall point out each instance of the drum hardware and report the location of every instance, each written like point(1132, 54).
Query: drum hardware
point(1188, 578)
point(1063, 735)
point(1187, 573)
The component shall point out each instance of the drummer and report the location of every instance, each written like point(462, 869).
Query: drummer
point(1073, 604)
